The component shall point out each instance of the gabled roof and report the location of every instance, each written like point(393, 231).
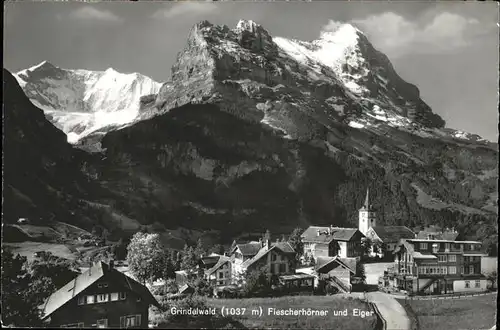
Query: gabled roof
point(338, 234)
point(393, 233)
point(284, 247)
point(222, 261)
point(347, 263)
point(248, 249)
point(209, 261)
point(85, 280)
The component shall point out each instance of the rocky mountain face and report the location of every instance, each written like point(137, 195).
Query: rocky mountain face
point(254, 132)
point(42, 179)
point(79, 102)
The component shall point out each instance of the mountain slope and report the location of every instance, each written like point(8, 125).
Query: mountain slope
point(245, 137)
point(257, 139)
point(80, 102)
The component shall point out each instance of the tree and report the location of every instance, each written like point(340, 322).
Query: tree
point(20, 297)
point(60, 271)
point(256, 281)
point(295, 241)
point(146, 257)
point(199, 250)
point(360, 271)
point(119, 249)
point(267, 236)
point(366, 246)
point(217, 248)
point(189, 259)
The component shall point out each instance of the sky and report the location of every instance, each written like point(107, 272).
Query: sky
point(449, 50)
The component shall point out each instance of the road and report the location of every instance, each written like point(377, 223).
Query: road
point(391, 310)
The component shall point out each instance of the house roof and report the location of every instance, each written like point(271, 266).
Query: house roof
point(338, 234)
point(393, 233)
point(209, 261)
point(185, 288)
point(86, 279)
point(447, 235)
point(222, 260)
point(408, 244)
point(248, 249)
point(284, 247)
point(347, 263)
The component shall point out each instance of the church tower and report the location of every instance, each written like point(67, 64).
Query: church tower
point(367, 216)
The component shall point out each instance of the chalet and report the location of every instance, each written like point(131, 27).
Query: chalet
point(332, 241)
point(242, 252)
point(100, 297)
point(278, 257)
point(337, 271)
point(439, 266)
point(220, 273)
point(388, 237)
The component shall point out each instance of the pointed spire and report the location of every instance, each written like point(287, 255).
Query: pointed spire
point(367, 199)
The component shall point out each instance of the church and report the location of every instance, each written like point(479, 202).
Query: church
point(329, 241)
point(385, 237)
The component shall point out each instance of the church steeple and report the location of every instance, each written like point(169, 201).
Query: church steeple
point(367, 216)
point(367, 199)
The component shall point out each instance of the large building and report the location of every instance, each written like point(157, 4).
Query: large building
point(101, 297)
point(439, 266)
point(388, 238)
point(332, 241)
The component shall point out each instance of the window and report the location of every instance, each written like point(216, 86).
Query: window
point(423, 246)
point(102, 285)
point(444, 270)
point(452, 270)
point(472, 247)
point(220, 283)
point(462, 270)
point(452, 258)
point(478, 284)
point(130, 321)
point(90, 299)
point(221, 275)
point(471, 269)
point(282, 268)
point(435, 248)
point(114, 296)
point(102, 297)
point(273, 257)
point(442, 258)
point(467, 284)
point(123, 295)
point(102, 323)
point(81, 300)
point(447, 246)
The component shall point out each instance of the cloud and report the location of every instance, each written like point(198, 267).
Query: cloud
point(438, 33)
point(184, 9)
point(95, 15)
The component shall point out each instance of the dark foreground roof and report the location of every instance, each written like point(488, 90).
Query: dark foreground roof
point(86, 279)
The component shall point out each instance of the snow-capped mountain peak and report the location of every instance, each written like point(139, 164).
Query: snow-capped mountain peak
point(80, 102)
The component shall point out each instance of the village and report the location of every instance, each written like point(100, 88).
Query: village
point(373, 263)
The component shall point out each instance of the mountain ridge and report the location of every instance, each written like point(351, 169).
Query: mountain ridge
point(241, 139)
point(79, 102)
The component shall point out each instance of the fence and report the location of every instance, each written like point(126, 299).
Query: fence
point(451, 296)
